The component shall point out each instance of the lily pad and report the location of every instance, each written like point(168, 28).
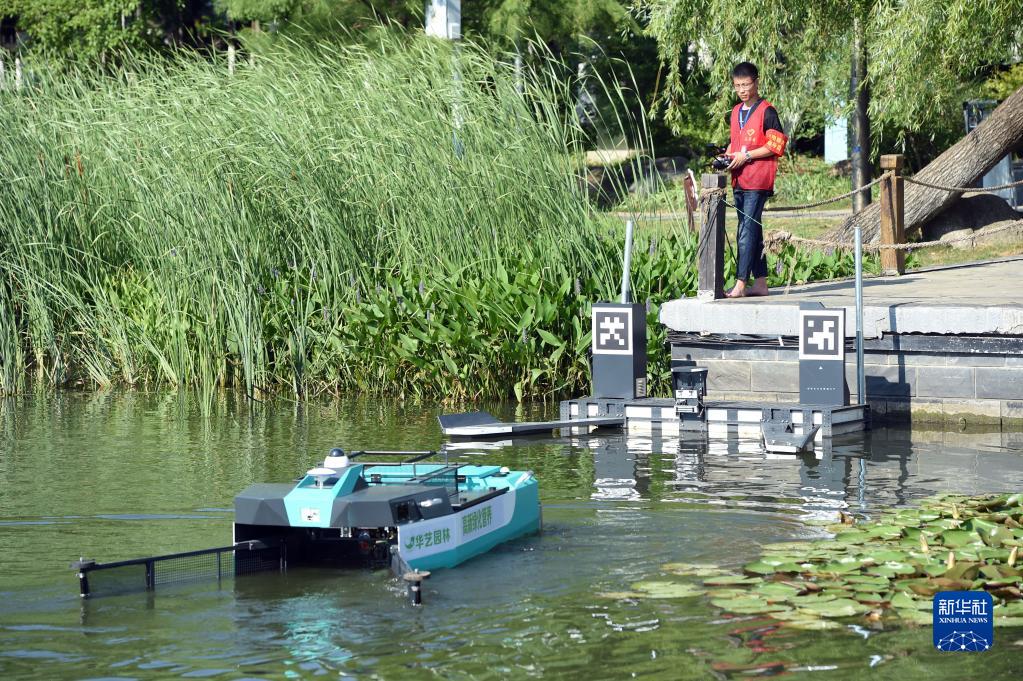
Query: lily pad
point(692, 569)
point(905, 601)
point(1009, 621)
point(747, 605)
point(809, 624)
point(760, 567)
point(730, 580)
point(957, 538)
point(667, 589)
point(884, 555)
point(900, 568)
point(841, 566)
point(915, 616)
point(840, 607)
point(776, 591)
point(885, 531)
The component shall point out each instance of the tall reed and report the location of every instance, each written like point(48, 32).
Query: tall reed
point(395, 218)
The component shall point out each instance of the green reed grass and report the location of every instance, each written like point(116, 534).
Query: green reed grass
point(314, 222)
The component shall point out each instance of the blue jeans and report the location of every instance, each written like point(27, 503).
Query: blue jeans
point(749, 205)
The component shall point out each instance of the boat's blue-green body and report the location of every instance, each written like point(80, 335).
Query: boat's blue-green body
point(424, 515)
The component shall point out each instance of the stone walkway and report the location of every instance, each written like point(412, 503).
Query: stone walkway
point(979, 298)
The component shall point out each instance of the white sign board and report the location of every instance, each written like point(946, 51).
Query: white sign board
point(444, 19)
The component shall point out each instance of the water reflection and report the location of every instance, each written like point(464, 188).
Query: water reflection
point(143, 474)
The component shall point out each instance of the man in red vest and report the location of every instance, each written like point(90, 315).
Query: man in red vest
point(757, 141)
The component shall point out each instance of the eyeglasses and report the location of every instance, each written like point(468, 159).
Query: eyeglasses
point(744, 86)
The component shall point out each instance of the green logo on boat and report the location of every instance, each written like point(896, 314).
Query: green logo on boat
point(477, 520)
point(425, 539)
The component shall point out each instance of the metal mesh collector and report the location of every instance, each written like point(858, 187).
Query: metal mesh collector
point(146, 574)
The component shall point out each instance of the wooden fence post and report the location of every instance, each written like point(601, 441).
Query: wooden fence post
point(711, 248)
point(692, 203)
point(893, 216)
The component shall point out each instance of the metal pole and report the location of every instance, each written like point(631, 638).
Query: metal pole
point(627, 265)
point(861, 379)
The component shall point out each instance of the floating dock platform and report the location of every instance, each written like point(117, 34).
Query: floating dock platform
point(651, 414)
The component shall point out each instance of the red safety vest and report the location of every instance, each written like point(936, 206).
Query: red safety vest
point(760, 172)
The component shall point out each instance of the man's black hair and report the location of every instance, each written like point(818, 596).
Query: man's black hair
point(745, 70)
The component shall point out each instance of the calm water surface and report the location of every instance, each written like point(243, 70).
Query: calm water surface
point(120, 476)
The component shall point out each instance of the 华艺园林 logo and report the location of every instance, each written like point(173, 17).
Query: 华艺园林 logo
point(963, 621)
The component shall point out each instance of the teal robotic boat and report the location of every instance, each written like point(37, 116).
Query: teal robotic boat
point(413, 515)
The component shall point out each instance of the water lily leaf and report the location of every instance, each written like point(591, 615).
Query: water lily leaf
point(791, 568)
point(729, 580)
point(840, 567)
point(991, 553)
point(788, 547)
point(692, 569)
point(913, 616)
point(777, 591)
point(885, 555)
point(899, 567)
point(747, 605)
point(868, 597)
point(867, 580)
point(851, 537)
point(810, 599)
point(667, 589)
point(956, 538)
point(760, 567)
point(840, 607)
point(997, 536)
point(727, 593)
point(811, 624)
point(1013, 609)
point(881, 571)
point(963, 570)
point(905, 601)
point(1009, 621)
point(885, 531)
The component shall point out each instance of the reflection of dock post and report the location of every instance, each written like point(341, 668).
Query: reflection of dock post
point(711, 249)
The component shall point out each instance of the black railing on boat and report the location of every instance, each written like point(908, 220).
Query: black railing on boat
point(146, 574)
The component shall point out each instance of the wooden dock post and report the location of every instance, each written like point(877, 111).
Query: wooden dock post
point(893, 216)
point(711, 248)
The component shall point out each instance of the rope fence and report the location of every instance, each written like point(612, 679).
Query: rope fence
point(774, 240)
point(890, 245)
point(833, 199)
point(1010, 185)
point(777, 238)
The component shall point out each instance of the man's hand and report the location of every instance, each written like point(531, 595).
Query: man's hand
point(738, 160)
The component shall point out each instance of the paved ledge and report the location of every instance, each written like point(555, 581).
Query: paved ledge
point(975, 299)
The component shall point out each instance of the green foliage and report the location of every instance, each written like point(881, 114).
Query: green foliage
point(83, 28)
point(1002, 84)
point(923, 55)
point(559, 22)
point(257, 10)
